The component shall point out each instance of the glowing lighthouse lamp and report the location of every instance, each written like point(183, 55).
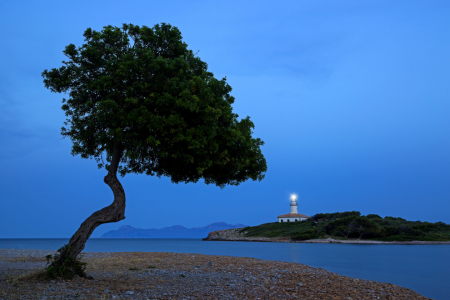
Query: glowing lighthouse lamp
point(294, 216)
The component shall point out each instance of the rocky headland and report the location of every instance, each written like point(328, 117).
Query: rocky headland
point(235, 234)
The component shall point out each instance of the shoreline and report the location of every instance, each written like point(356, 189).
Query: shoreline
point(233, 235)
point(326, 241)
point(163, 275)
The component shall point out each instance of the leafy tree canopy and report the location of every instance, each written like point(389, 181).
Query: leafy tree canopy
point(141, 89)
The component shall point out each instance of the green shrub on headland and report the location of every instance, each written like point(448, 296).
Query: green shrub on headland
point(306, 235)
point(353, 225)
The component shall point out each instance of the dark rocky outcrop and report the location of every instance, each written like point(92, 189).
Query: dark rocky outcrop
point(235, 234)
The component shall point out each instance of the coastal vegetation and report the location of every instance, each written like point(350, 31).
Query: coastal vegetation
point(70, 268)
point(353, 225)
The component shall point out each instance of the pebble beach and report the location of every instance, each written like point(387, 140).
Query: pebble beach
point(161, 275)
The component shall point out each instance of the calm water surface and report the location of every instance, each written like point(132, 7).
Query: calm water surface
point(423, 268)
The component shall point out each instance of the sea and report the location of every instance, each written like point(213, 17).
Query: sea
point(422, 268)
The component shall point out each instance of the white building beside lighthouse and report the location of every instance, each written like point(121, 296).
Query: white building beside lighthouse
point(294, 216)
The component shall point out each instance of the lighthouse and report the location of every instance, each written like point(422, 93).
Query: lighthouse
point(294, 204)
point(294, 216)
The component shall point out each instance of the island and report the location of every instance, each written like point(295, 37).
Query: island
point(341, 227)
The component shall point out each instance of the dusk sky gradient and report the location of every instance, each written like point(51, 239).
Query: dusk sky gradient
point(352, 99)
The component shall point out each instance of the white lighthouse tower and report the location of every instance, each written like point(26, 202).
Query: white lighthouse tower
point(294, 204)
point(294, 216)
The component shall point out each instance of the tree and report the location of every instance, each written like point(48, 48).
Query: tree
point(139, 99)
point(364, 226)
point(345, 231)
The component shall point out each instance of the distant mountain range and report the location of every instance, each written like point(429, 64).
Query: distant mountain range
point(177, 231)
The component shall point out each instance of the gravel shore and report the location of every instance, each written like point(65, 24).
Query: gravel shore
point(158, 275)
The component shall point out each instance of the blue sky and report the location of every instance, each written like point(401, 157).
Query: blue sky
point(351, 98)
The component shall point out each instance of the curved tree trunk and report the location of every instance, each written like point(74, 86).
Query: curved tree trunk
point(112, 213)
